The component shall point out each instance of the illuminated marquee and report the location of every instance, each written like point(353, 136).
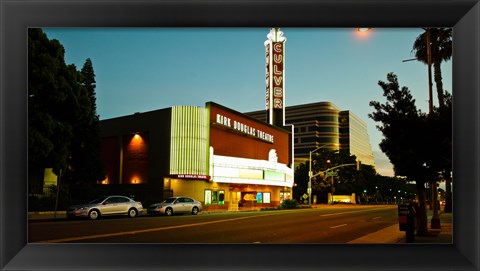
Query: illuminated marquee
point(243, 128)
point(190, 176)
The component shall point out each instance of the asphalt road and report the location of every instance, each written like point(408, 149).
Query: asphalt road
point(331, 224)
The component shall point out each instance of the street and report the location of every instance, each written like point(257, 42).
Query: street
point(326, 224)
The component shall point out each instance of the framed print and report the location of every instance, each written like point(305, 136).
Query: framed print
point(17, 253)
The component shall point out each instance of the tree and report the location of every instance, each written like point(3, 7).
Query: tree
point(441, 50)
point(346, 182)
point(51, 87)
point(85, 164)
point(440, 146)
point(320, 185)
point(406, 138)
point(63, 124)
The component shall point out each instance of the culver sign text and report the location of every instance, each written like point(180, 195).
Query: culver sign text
point(275, 75)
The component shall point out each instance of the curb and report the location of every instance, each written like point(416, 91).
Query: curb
point(389, 234)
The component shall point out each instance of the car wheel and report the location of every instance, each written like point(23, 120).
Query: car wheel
point(169, 211)
point(132, 212)
point(93, 214)
point(195, 211)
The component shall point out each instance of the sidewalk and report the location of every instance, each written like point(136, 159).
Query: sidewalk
point(50, 215)
point(393, 234)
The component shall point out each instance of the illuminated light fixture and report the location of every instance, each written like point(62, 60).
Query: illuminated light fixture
point(134, 181)
point(104, 181)
point(363, 29)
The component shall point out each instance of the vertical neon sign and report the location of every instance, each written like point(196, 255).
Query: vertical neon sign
point(278, 75)
point(275, 77)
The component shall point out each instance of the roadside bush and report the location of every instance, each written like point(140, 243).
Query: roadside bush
point(289, 204)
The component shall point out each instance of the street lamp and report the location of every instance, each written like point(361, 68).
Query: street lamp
point(310, 174)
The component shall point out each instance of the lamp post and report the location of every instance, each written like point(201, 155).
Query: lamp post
point(332, 189)
point(310, 174)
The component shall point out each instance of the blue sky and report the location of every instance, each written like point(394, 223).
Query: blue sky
point(143, 69)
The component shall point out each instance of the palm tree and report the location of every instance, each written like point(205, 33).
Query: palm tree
point(441, 50)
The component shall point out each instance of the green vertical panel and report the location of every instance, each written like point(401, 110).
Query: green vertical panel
point(189, 144)
point(172, 141)
point(184, 150)
point(195, 136)
point(206, 119)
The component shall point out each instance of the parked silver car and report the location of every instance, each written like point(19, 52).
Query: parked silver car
point(109, 205)
point(174, 205)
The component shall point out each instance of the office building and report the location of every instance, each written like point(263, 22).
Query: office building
point(324, 124)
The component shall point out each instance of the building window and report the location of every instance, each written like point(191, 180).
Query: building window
point(284, 195)
point(214, 196)
point(259, 197)
point(263, 197)
point(309, 139)
point(221, 197)
point(266, 197)
point(208, 197)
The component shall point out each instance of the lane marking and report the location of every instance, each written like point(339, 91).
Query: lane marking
point(338, 226)
point(377, 217)
point(349, 212)
point(78, 238)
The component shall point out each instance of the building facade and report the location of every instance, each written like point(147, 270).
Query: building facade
point(221, 157)
point(324, 124)
point(354, 137)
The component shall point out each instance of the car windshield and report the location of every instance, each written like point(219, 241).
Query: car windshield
point(97, 200)
point(169, 200)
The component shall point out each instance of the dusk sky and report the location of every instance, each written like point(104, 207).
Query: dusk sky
point(144, 69)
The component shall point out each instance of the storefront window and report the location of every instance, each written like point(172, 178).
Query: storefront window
point(259, 197)
point(284, 195)
point(266, 197)
point(221, 197)
point(208, 197)
point(262, 197)
point(214, 196)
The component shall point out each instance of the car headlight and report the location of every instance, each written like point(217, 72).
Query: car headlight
point(81, 208)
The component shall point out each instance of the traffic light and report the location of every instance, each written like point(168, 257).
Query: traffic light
point(358, 165)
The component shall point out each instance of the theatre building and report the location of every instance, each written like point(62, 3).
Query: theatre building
point(223, 158)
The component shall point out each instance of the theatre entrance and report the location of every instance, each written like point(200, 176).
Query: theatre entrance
point(234, 199)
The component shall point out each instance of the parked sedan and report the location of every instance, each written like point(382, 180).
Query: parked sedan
point(105, 206)
point(175, 205)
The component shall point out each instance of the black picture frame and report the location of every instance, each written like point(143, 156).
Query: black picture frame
point(17, 16)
